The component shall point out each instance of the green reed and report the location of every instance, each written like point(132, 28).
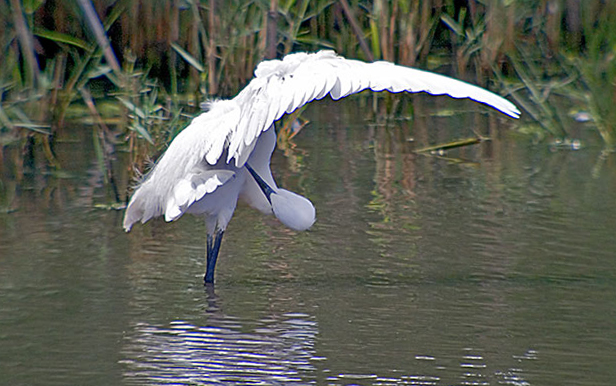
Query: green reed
point(158, 60)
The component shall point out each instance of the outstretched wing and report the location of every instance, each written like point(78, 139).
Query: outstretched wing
point(193, 165)
point(282, 86)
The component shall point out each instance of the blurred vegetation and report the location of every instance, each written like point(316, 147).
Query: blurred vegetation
point(138, 69)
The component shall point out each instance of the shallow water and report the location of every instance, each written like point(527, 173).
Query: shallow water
point(493, 264)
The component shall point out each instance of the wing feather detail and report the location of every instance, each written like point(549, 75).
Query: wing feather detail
point(282, 86)
point(193, 187)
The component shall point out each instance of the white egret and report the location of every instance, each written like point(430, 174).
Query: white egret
point(224, 153)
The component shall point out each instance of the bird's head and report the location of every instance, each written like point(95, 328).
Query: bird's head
point(293, 210)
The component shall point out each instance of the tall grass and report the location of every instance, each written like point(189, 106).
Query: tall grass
point(159, 59)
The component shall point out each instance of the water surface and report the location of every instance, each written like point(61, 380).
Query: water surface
point(490, 264)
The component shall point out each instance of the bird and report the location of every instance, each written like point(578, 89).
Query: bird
point(223, 155)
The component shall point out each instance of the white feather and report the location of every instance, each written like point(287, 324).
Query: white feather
point(193, 188)
point(205, 156)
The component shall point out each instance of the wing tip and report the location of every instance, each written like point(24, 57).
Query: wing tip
point(510, 109)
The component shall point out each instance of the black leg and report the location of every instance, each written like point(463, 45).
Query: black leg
point(213, 246)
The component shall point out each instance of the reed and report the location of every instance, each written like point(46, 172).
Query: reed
point(158, 60)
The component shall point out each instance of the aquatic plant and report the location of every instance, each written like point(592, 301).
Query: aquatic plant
point(159, 60)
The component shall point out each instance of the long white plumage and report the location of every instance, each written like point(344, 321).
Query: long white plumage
point(224, 153)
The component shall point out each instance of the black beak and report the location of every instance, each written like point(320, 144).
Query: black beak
point(267, 190)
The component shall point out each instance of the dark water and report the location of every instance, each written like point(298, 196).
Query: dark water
point(493, 264)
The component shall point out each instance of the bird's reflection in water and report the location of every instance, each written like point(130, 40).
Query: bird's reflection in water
point(277, 349)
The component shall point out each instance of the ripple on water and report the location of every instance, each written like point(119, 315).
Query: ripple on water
point(278, 352)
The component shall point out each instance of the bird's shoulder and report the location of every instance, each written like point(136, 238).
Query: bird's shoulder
point(279, 87)
point(294, 62)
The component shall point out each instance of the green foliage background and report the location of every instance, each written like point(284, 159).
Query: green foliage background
point(152, 61)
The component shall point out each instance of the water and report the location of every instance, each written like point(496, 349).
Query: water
point(494, 264)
